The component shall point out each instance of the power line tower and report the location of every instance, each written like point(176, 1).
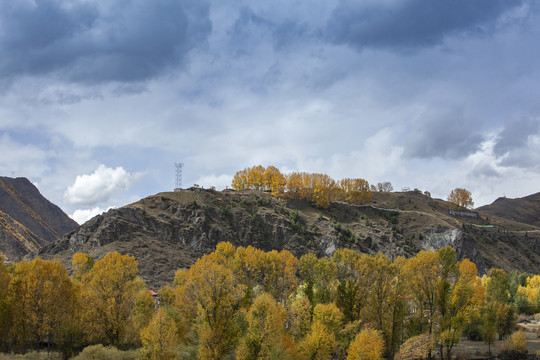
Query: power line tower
point(178, 176)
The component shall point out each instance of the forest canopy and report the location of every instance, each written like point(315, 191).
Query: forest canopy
point(245, 303)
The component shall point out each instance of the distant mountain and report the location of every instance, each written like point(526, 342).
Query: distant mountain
point(28, 221)
point(171, 230)
point(524, 210)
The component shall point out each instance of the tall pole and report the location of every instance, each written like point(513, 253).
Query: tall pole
point(178, 167)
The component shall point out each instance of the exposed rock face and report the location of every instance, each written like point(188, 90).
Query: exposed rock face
point(171, 230)
point(28, 221)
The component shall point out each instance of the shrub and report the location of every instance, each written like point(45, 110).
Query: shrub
point(515, 347)
point(416, 347)
point(100, 352)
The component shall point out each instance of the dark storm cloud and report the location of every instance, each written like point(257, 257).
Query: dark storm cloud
point(448, 135)
point(128, 40)
point(516, 134)
point(411, 23)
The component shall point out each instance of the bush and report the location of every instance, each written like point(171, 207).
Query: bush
point(34, 355)
point(515, 347)
point(100, 352)
point(416, 347)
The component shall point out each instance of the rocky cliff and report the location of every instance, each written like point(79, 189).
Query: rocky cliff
point(171, 230)
point(28, 221)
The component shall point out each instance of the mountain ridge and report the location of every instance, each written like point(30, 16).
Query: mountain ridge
point(171, 230)
point(28, 220)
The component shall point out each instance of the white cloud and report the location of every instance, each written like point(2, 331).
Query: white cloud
point(99, 186)
point(83, 215)
point(219, 182)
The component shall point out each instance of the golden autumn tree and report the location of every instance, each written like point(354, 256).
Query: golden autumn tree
point(274, 181)
point(81, 263)
point(265, 334)
point(241, 180)
point(329, 316)
point(368, 345)
point(466, 300)
point(318, 343)
point(423, 274)
point(159, 338)
point(461, 198)
point(143, 309)
point(110, 290)
point(300, 317)
point(213, 289)
point(5, 311)
point(354, 191)
point(323, 190)
point(41, 297)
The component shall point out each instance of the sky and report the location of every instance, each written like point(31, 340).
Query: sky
point(100, 98)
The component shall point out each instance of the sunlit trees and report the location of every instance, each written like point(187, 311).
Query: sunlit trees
point(319, 189)
point(368, 345)
point(354, 191)
point(159, 338)
point(247, 303)
point(266, 330)
point(213, 288)
point(461, 198)
point(41, 296)
point(5, 313)
point(109, 296)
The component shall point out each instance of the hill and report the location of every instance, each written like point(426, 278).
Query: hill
point(28, 221)
point(171, 230)
point(525, 210)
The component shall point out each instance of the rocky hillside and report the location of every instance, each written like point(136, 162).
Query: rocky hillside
point(28, 221)
point(171, 230)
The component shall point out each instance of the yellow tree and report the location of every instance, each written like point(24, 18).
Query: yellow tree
point(159, 338)
point(355, 191)
point(143, 309)
point(423, 278)
point(241, 180)
point(466, 299)
point(214, 290)
point(5, 313)
point(323, 190)
point(461, 197)
point(256, 177)
point(318, 343)
point(266, 330)
point(274, 181)
point(81, 263)
point(368, 345)
point(329, 316)
point(42, 297)
point(300, 317)
point(110, 291)
point(279, 273)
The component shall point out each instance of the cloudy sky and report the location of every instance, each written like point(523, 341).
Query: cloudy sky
point(99, 98)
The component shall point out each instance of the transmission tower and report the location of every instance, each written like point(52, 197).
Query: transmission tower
point(178, 176)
